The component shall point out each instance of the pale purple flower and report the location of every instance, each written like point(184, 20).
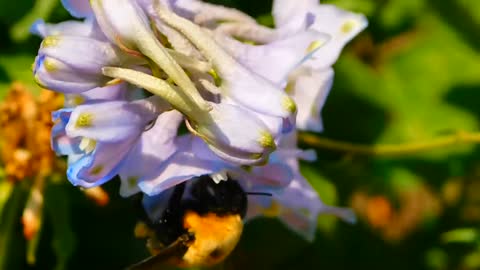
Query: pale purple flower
point(237, 100)
point(78, 8)
point(150, 152)
point(73, 64)
point(72, 54)
point(192, 158)
point(96, 137)
point(297, 205)
point(86, 28)
point(298, 53)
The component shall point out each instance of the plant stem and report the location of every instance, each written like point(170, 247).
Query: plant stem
point(390, 150)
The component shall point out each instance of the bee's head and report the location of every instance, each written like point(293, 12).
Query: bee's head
point(226, 197)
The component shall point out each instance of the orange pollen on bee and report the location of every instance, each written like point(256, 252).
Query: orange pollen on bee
point(215, 238)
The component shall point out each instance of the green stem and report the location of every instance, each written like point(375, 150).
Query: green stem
point(390, 150)
point(9, 236)
point(155, 86)
point(154, 50)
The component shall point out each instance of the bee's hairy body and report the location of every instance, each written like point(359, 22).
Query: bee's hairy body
point(200, 230)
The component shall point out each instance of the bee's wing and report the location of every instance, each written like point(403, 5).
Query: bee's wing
point(176, 249)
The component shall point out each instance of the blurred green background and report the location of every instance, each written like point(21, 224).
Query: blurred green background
point(412, 76)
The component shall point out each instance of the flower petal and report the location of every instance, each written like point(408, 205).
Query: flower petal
point(267, 178)
point(99, 166)
point(74, 28)
point(78, 8)
point(275, 60)
point(114, 121)
point(72, 64)
point(61, 143)
point(180, 167)
point(246, 31)
point(310, 91)
point(85, 54)
point(286, 11)
point(126, 25)
point(154, 147)
point(121, 20)
point(52, 74)
point(110, 92)
point(238, 82)
point(341, 25)
point(235, 134)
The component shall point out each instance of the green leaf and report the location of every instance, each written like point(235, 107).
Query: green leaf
point(395, 13)
point(11, 237)
point(57, 208)
point(436, 258)
point(402, 179)
point(410, 81)
point(6, 189)
point(16, 67)
point(472, 260)
point(12, 10)
point(42, 9)
point(365, 7)
point(462, 235)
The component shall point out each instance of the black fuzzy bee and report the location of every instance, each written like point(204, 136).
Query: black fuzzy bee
point(200, 225)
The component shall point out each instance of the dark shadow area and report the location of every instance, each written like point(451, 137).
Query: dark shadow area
point(101, 239)
point(253, 7)
point(465, 96)
point(348, 117)
point(460, 18)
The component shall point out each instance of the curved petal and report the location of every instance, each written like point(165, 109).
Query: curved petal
point(60, 142)
point(243, 31)
point(78, 8)
point(99, 166)
point(85, 55)
point(238, 82)
point(310, 91)
point(121, 20)
point(298, 214)
point(177, 169)
point(245, 87)
point(286, 11)
point(126, 24)
point(178, 41)
point(73, 28)
point(114, 121)
point(275, 60)
point(267, 178)
point(52, 74)
point(301, 215)
point(200, 148)
point(154, 147)
point(235, 134)
point(110, 92)
point(341, 25)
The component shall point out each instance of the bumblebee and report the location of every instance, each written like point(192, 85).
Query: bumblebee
point(199, 225)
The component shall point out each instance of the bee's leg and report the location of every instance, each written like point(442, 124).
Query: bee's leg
point(174, 250)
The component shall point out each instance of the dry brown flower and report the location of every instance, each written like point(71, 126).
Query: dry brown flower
point(25, 124)
point(415, 205)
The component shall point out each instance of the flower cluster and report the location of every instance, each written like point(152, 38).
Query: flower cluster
point(133, 71)
point(26, 157)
